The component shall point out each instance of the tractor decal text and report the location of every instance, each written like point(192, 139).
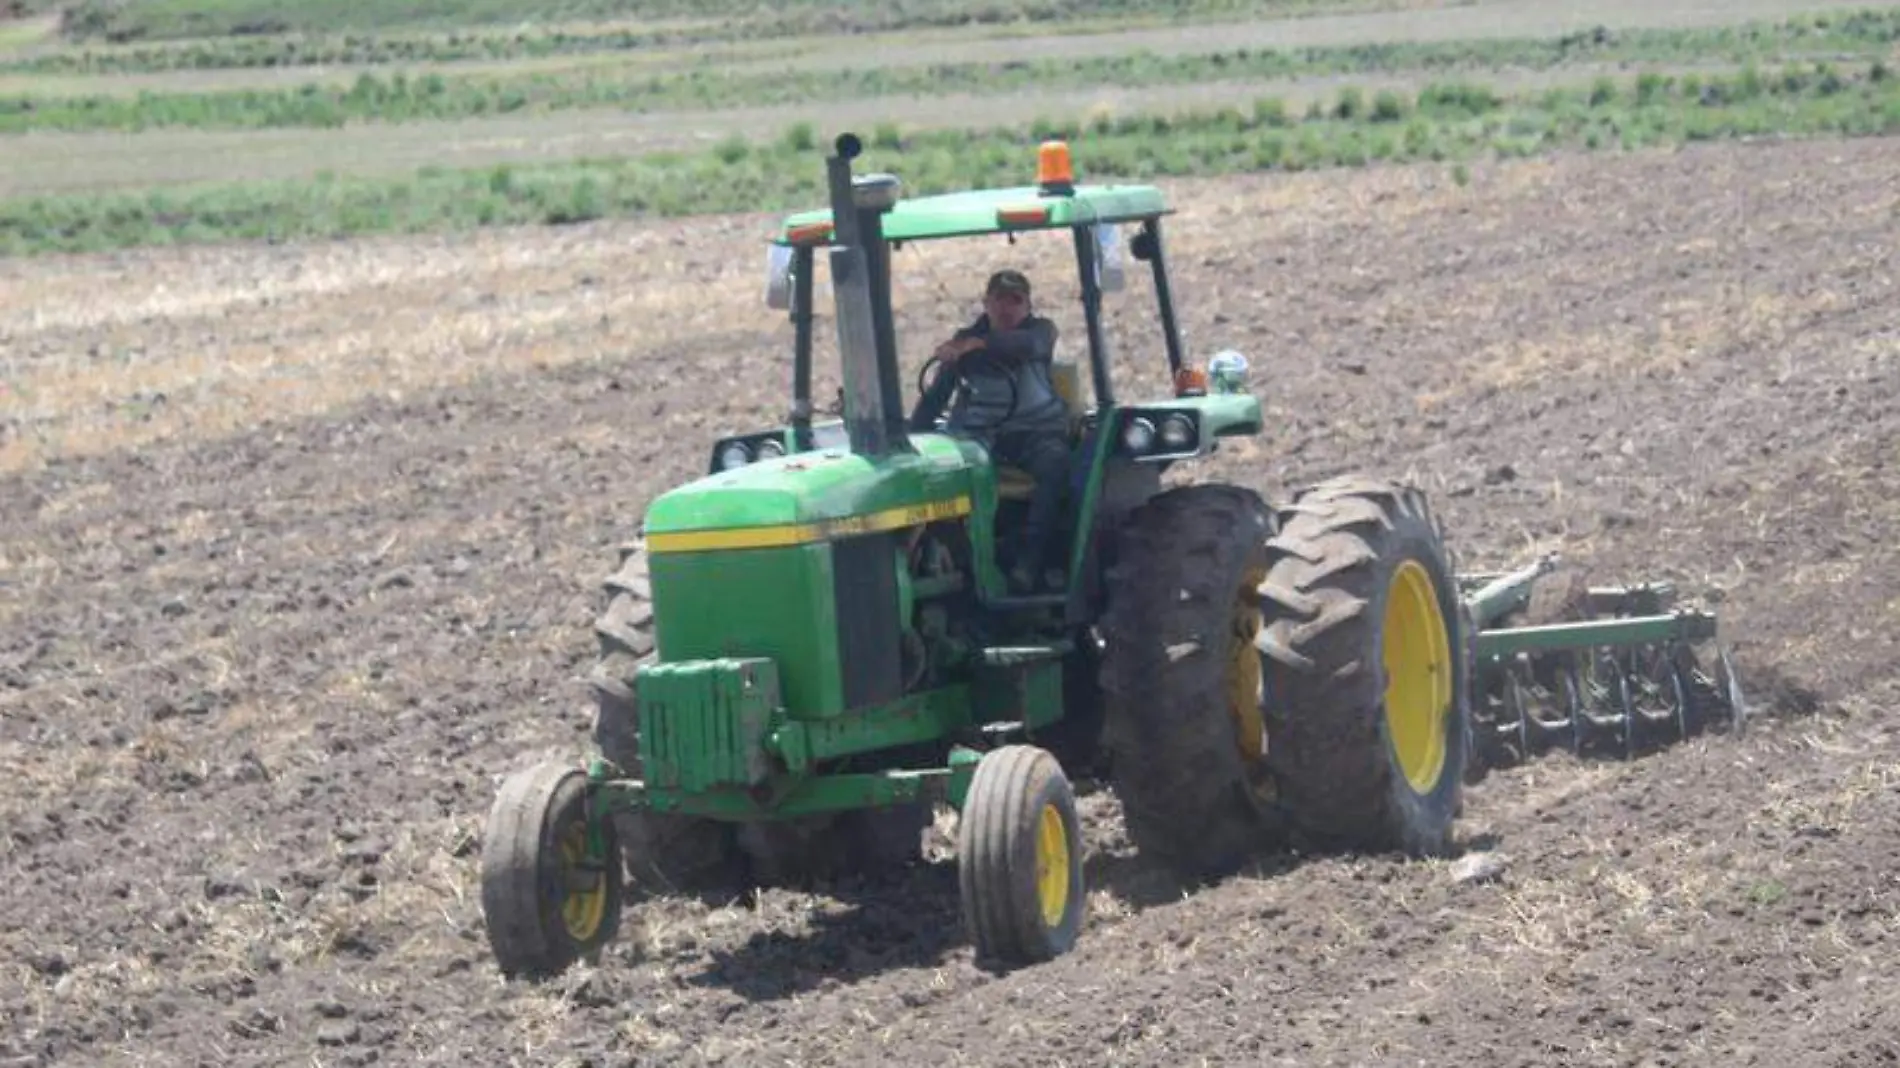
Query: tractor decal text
point(786, 534)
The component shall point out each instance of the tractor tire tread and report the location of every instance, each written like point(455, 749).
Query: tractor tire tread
point(1176, 766)
point(1324, 671)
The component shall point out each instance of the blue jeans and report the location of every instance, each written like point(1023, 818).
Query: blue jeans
point(1044, 454)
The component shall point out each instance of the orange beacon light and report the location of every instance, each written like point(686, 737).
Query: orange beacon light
point(1054, 171)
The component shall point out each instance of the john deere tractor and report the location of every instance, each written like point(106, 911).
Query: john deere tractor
point(814, 645)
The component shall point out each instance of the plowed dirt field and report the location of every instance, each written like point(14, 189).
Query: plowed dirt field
point(300, 548)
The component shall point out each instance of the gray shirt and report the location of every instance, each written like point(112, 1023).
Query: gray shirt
point(1024, 356)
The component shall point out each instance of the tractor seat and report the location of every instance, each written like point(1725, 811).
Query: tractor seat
point(1012, 482)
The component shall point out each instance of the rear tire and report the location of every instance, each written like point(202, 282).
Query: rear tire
point(663, 852)
point(1367, 669)
point(1181, 679)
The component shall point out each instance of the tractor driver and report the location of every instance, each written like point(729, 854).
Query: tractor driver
point(1019, 347)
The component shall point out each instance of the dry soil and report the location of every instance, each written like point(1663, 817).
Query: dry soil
point(300, 547)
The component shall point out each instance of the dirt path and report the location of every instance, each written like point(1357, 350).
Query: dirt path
point(1484, 20)
point(255, 691)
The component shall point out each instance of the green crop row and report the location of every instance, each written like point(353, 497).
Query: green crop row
point(286, 50)
point(401, 98)
point(1447, 122)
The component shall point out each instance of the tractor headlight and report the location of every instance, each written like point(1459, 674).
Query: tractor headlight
point(1138, 436)
point(770, 448)
point(734, 455)
point(1177, 433)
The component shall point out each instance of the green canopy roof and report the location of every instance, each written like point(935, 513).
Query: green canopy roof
point(995, 211)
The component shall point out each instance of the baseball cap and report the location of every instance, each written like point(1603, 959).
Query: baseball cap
point(1008, 281)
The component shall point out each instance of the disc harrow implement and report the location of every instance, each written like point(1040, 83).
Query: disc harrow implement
point(1559, 663)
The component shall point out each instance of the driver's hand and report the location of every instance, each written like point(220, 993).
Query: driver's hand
point(950, 351)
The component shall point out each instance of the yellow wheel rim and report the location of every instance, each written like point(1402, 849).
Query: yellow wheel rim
point(1052, 866)
point(584, 903)
point(1418, 676)
point(1243, 674)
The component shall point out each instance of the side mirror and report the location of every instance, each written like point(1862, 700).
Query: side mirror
point(1111, 265)
point(778, 277)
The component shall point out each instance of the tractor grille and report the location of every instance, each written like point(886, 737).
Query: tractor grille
point(864, 582)
point(703, 722)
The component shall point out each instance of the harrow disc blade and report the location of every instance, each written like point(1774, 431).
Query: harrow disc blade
point(1658, 701)
point(1520, 719)
point(1714, 691)
point(1626, 706)
point(1729, 685)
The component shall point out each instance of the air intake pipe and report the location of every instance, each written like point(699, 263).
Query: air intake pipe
point(861, 286)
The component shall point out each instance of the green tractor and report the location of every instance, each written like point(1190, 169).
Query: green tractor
point(815, 645)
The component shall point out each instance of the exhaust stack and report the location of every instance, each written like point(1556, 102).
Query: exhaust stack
point(861, 282)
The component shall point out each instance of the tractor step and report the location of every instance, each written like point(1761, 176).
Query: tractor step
point(1011, 655)
point(1024, 602)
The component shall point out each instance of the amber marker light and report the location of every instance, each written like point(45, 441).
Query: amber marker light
point(1025, 215)
point(812, 233)
point(1190, 382)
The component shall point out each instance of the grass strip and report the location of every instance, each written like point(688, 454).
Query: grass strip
point(400, 98)
point(167, 20)
point(1443, 122)
point(519, 41)
point(359, 49)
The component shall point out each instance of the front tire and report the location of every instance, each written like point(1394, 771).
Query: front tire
point(1019, 858)
point(551, 877)
point(1367, 669)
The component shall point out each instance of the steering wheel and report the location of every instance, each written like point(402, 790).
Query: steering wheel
point(967, 387)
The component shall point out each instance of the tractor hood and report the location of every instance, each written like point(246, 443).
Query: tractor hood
point(814, 496)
